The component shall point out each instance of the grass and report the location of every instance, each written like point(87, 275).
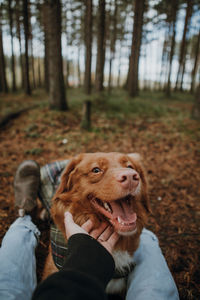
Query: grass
point(109, 111)
point(120, 105)
point(118, 102)
point(33, 151)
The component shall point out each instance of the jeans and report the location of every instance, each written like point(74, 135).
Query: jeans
point(150, 279)
point(17, 260)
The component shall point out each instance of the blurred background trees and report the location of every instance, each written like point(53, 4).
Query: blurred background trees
point(135, 44)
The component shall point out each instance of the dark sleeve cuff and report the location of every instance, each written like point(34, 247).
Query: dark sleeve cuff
point(87, 255)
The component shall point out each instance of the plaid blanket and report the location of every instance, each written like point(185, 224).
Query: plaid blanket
point(50, 179)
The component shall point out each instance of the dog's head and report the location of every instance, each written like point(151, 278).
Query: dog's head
point(104, 186)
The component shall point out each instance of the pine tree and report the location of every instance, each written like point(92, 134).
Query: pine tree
point(100, 47)
point(10, 13)
point(57, 96)
point(88, 44)
point(183, 47)
point(135, 48)
point(26, 35)
point(3, 80)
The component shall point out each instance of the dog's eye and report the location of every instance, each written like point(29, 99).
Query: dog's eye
point(129, 166)
point(96, 170)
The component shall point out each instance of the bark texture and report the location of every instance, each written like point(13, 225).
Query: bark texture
point(10, 13)
point(183, 47)
point(133, 86)
point(88, 45)
point(57, 96)
point(26, 35)
point(3, 80)
point(100, 47)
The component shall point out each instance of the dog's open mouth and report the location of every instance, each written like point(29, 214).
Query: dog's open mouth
point(119, 213)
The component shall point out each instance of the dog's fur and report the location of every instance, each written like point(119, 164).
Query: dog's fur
point(89, 181)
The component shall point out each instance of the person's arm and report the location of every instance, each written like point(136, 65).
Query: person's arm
point(88, 267)
point(86, 272)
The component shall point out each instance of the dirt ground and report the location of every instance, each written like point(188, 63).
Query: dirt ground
point(170, 149)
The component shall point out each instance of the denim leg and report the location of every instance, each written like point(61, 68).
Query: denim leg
point(17, 260)
point(151, 278)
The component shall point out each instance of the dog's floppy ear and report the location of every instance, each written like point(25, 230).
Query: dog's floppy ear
point(62, 199)
point(145, 198)
point(65, 178)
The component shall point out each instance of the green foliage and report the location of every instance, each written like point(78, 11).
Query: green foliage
point(119, 105)
point(32, 131)
point(33, 151)
point(31, 128)
point(111, 114)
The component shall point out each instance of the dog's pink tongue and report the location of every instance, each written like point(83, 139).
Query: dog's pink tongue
point(124, 211)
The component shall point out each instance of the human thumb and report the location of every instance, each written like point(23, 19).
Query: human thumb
point(68, 217)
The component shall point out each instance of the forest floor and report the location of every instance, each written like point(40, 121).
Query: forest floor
point(160, 129)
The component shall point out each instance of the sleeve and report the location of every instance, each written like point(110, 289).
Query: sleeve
point(86, 272)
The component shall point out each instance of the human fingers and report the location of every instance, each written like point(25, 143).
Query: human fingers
point(87, 226)
point(106, 234)
point(110, 243)
point(68, 218)
point(112, 240)
point(98, 231)
point(70, 226)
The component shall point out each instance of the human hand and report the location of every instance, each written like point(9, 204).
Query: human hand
point(105, 234)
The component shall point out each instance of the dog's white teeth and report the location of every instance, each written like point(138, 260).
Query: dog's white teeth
point(120, 221)
point(107, 207)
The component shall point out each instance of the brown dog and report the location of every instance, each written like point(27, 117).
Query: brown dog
point(110, 187)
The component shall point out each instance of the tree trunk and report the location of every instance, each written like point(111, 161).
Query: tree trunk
point(112, 45)
point(100, 47)
point(196, 107)
point(184, 43)
point(56, 80)
point(182, 74)
point(196, 60)
point(78, 67)
point(163, 62)
point(88, 44)
point(110, 72)
point(173, 26)
point(3, 80)
point(86, 120)
point(39, 73)
point(46, 65)
point(32, 61)
point(10, 12)
point(128, 76)
point(135, 48)
point(26, 35)
point(46, 47)
point(20, 41)
point(68, 73)
point(145, 81)
point(119, 69)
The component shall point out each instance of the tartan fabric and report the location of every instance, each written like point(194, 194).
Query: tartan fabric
point(50, 175)
point(58, 246)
